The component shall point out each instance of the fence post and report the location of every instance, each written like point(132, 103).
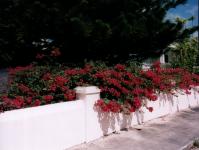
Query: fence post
point(90, 95)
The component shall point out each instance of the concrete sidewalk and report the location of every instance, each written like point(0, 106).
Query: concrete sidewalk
point(171, 132)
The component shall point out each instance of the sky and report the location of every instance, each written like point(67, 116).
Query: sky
point(185, 11)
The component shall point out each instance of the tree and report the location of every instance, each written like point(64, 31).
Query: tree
point(88, 29)
point(185, 54)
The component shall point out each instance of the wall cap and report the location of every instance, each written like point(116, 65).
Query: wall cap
point(87, 90)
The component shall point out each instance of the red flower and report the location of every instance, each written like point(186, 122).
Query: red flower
point(150, 74)
point(132, 109)
point(150, 109)
point(99, 102)
point(102, 105)
point(70, 95)
point(120, 67)
point(124, 90)
point(156, 80)
point(64, 88)
point(129, 75)
point(116, 74)
point(71, 72)
point(29, 100)
point(18, 102)
point(114, 82)
point(113, 106)
point(48, 98)
point(152, 97)
point(59, 80)
point(114, 92)
point(137, 102)
point(37, 102)
point(156, 64)
point(53, 88)
point(137, 91)
point(162, 87)
point(187, 92)
point(5, 98)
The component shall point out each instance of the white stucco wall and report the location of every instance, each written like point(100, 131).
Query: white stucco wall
point(63, 125)
point(49, 127)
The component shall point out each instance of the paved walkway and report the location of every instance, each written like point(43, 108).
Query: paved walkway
point(171, 132)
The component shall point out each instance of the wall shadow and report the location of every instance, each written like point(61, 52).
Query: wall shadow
point(108, 121)
point(114, 122)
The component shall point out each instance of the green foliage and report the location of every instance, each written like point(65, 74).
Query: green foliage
point(87, 29)
point(186, 54)
point(123, 87)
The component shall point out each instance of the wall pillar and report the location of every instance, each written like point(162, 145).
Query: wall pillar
point(90, 95)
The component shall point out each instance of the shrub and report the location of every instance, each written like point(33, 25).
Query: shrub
point(185, 54)
point(123, 89)
point(130, 90)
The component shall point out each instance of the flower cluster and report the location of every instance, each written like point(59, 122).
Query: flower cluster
point(130, 90)
point(110, 106)
point(122, 88)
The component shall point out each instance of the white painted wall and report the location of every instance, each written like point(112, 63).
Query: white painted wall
point(63, 125)
point(168, 104)
point(49, 127)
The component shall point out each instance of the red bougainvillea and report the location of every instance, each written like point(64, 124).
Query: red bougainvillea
point(122, 88)
point(130, 89)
